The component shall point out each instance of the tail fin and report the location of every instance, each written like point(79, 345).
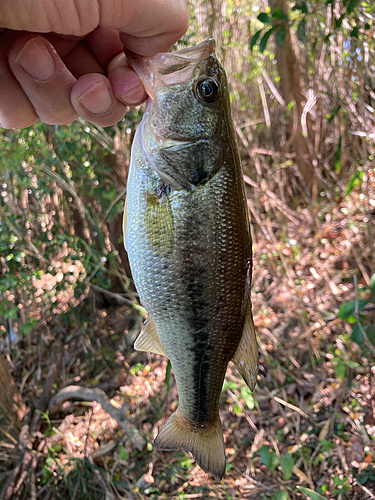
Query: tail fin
point(205, 444)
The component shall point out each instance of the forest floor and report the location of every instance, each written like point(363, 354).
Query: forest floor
point(307, 431)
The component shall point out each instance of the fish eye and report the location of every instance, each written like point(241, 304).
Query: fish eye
point(207, 89)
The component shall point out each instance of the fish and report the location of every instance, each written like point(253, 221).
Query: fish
point(187, 234)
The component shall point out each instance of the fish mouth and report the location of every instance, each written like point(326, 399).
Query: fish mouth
point(168, 135)
point(169, 67)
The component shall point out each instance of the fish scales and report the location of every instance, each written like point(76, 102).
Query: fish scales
point(189, 244)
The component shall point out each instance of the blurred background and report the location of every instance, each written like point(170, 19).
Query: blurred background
point(302, 80)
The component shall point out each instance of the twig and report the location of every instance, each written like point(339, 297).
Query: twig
point(233, 396)
point(261, 485)
point(53, 372)
point(85, 394)
point(358, 258)
point(108, 494)
point(270, 152)
point(118, 197)
point(371, 495)
point(33, 477)
point(292, 407)
point(120, 299)
point(272, 87)
point(294, 217)
point(264, 103)
point(7, 491)
point(15, 481)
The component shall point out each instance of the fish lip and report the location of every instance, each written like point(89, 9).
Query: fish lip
point(153, 70)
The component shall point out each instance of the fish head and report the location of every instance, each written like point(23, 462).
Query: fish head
point(189, 101)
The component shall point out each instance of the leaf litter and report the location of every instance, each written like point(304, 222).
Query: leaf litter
point(308, 431)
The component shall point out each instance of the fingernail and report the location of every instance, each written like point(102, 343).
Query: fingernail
point(119, 60)
point(97, 99)
point(36, 60)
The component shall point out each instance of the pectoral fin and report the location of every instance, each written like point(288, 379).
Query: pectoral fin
point(148, 340)
point(125, 221)
point(158, 220)
point(246, 356)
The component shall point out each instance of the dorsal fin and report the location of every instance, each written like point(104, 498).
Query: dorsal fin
point(246, 356)
point(148, 340)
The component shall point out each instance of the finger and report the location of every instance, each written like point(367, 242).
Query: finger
point(108, 49)
point(76, 54)
point(147, 26)
point(105, 43)
point(143, 18)
point(59, 16)
point(45, 79)
point(81, 61)
point(16, 111)
point(93, 98)
point(126, 84)
point(63, 44)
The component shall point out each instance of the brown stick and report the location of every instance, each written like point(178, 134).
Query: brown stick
point(53, 372)
point(84, 394)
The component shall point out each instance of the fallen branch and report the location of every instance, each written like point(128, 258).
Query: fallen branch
point(84, 394)
point(116, 296)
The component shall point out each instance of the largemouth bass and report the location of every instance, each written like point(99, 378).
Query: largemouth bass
point(187, 234)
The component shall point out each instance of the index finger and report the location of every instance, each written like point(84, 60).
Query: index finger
point(148, 26)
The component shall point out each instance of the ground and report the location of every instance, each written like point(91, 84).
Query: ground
point(307, 430)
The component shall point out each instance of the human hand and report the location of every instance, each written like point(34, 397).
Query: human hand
point(60, 59)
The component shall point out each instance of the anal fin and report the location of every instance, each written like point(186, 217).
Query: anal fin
point(148, 340)
point(246, 356)
point(206, 444)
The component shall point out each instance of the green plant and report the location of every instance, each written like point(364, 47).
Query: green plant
point(287, 464)
point(367, 474)
point(342, 485)
point(310, 493)
point(277, 22)
point(352, 311)
point(280, 495)
point(58, 200)
point(269, 458)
